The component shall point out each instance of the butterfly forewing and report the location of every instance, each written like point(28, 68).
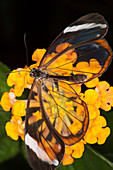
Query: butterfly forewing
point(44, 147)
point(90, 59)
point(86, 29)
point(79, 49)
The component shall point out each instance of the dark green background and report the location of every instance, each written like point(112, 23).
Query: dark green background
point(43, 21)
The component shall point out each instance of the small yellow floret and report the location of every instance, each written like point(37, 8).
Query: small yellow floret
point(97, 131)
point(15, 128)
point(92, 83)
point(67, 160)
point(18, 79)
point(38, 54)
point(75, 151)
point(18, 108)
point(106, 95)
point(78, 150)
point(5, 102)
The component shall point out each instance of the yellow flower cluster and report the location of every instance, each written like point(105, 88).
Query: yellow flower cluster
point(100, 97)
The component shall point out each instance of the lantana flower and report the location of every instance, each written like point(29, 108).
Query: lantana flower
point(15, 128)
point(100, 97)
point(106, 95)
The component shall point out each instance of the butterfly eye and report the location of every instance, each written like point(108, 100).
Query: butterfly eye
point(34, 69)
point(31, 74)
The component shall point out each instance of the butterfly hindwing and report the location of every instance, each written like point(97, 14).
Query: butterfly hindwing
point(62, 105)
point(49, 126)
point(45, 149)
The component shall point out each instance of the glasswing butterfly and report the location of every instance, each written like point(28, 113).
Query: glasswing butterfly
point(54, 90)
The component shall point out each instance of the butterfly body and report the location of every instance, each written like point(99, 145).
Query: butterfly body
point(42, 75)
point(78, 55)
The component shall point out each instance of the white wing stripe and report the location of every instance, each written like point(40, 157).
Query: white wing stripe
point(32, 143)
point(83, 26)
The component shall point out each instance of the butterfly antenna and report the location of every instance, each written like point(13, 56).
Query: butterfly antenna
point(26, 48)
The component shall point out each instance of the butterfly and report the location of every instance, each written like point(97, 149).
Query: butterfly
point(60, 72)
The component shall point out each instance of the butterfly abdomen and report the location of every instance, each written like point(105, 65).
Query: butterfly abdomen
point(77, 78)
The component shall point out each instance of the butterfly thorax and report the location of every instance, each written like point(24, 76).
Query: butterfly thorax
point(37, 73)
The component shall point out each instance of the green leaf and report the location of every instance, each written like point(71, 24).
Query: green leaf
point(8, 147)
point(91, 160)
point(107, 148)
point(4, 117)
point(3, 78)
point(67, 167)
point(23, 150)
point(18, 163)
point(4, 69)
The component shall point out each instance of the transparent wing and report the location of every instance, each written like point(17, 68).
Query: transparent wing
point(66, 112)
point(86, 29)
point(90, 59)
point(45, 149)
point(79, 49)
